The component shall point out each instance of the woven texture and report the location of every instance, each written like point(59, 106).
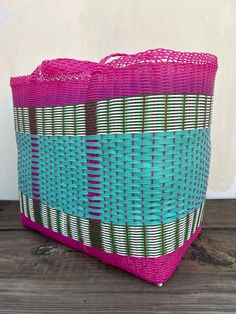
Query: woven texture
point(113, 157)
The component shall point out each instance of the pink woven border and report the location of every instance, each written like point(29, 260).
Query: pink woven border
point(154, 270)
point(159, 71)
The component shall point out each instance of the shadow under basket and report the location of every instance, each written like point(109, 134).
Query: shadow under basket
point(113, 157)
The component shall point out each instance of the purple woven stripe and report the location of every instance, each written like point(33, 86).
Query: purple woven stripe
point(93, 177)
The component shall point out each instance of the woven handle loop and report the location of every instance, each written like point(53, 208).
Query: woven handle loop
point(112, 55)
point(63, 66)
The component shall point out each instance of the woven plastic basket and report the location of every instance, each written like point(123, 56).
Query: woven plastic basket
point(113, 157)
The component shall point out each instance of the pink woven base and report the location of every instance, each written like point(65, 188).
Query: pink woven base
point(154, 270)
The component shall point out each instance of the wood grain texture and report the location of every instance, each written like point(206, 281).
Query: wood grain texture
point(220, 214)
point(9, 215)
point(39, 275)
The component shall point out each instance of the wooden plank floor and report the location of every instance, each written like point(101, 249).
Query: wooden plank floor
point(38, 275)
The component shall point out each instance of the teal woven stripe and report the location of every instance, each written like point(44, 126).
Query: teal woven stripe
point(148, 178)
point(122, 115)
point(149, 241)
point(25, 164)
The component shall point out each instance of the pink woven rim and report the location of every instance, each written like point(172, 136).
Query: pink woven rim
point(154, 270)
point(157, 71)
point(57, 67)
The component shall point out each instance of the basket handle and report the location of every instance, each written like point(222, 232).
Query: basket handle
point(62, 66)
point(112, 55)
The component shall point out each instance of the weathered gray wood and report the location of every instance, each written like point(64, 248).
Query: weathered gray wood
point(43, 258)
point(9, 215)
point(39, 275)
point(40, 300)
point(218, 214)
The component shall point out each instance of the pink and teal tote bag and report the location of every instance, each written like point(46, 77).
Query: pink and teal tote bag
point(113, 157)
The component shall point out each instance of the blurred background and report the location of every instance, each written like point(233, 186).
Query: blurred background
point(34, 30)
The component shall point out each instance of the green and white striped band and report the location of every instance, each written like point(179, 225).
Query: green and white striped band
point(150, 113)
point(139, 241)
